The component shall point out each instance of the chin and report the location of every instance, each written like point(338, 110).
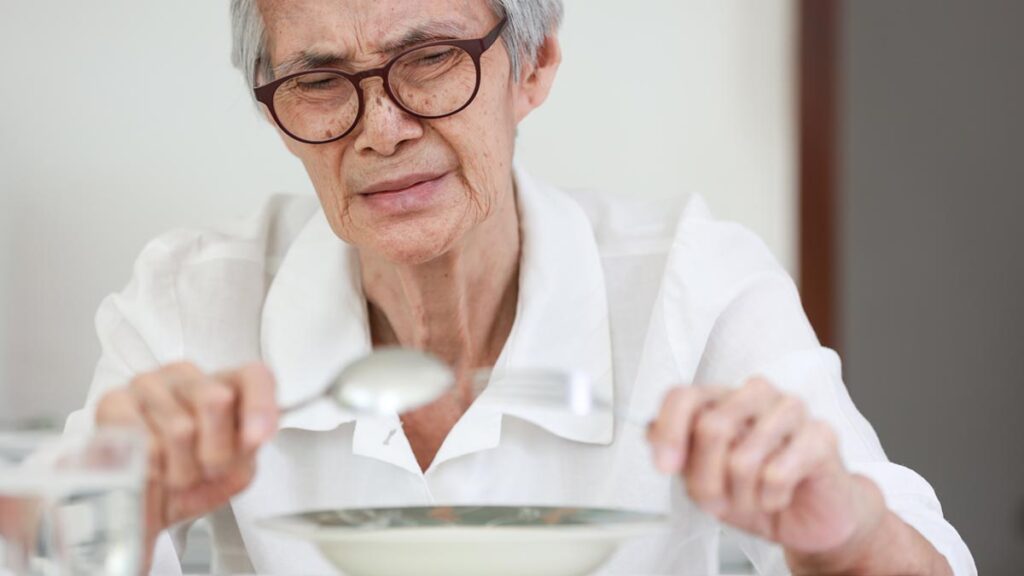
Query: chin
point(410, 247)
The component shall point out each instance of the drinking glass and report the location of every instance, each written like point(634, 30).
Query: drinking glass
point(71, 504)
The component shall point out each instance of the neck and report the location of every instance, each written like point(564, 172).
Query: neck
point(459, 306)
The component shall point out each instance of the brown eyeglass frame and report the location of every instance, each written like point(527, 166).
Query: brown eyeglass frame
point(474, 47)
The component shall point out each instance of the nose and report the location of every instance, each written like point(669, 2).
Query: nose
point(385, 126)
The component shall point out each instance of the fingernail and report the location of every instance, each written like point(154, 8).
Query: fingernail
point(668, 459)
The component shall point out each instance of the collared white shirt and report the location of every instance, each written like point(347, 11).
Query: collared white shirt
point(639, 295)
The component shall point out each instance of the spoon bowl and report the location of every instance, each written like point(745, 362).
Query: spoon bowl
point(387, 381)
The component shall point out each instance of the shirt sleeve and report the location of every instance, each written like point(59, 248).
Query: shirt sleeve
point(746, 310)
point(138, 331)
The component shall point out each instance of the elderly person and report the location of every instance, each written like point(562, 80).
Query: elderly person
point(426, 235)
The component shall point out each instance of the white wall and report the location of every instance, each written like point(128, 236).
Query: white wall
point(122, 118)
point(719, 120)
point(145, 127)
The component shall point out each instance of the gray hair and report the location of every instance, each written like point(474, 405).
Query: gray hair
point(529, 23)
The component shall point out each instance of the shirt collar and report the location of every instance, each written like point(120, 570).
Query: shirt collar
point(315, 322)
point(562, 315)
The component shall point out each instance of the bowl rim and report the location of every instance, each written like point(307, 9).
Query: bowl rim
point(293, 524)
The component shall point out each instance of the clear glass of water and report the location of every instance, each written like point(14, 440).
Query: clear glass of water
point(71, 504)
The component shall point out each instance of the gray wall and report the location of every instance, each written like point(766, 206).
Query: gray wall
point(933, 314)
point(5, 251)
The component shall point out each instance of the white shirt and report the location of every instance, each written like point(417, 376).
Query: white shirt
point(640, 295)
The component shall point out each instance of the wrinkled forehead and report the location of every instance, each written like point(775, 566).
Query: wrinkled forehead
point(363, 30)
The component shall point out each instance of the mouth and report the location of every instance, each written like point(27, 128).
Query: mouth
point(409, 193)
point(400, 185)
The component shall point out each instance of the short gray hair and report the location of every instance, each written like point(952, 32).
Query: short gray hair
point(529, 23)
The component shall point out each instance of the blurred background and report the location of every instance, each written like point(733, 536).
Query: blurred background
point(877, 147)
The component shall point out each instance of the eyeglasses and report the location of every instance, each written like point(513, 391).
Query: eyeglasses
point(429, 81)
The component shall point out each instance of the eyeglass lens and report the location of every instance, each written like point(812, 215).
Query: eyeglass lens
point(430, 82)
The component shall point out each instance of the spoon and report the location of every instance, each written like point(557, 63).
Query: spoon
point(398, 380)
point(386, 381)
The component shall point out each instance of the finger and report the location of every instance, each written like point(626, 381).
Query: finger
point(715, 429)
point(811, 447)
point(121, 408)
point(750, 454)
point(211, 494)
point(668, 433)
point(212, 404)
point(257, 403)
point(174, 425)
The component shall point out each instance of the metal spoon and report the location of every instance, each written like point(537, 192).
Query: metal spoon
point(386, 381)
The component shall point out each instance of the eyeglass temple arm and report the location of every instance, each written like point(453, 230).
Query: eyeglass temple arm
point(256, 73)
point(495, 34)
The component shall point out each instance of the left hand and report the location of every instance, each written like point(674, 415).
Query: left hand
point(754, 459)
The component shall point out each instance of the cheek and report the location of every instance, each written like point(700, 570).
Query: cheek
point(483, 138)
point(323, 165)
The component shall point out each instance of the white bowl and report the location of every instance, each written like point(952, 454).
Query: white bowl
point(469, 540)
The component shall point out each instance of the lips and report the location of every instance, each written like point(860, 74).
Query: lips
point(400, 184)
point(414, 193)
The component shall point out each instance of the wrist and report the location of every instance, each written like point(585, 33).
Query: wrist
point(874, 523)
point(882, 544)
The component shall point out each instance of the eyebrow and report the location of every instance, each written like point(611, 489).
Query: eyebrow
point(427, 32)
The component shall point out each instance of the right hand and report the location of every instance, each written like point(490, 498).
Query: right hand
point(204, 431)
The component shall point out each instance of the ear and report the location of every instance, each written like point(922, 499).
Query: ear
point(535, 80)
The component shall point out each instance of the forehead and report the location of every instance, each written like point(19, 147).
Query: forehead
point(357, 29)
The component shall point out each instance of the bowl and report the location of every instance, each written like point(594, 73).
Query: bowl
point(467, 540)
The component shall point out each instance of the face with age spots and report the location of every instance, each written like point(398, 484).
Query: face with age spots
point(406, 188)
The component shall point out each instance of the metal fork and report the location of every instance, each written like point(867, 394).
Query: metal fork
point(550, 388)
